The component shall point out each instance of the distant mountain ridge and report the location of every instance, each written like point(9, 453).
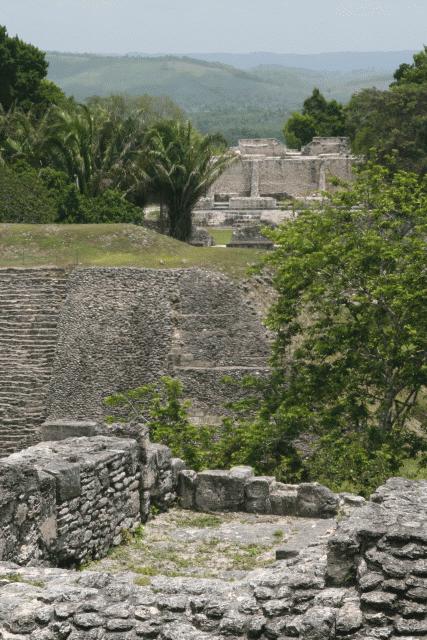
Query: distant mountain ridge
point(344, 61)
point(217, 96)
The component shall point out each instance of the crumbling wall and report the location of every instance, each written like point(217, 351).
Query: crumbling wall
point(240, 490)
point(382, 550)
point(64, 502)
point(386, 600)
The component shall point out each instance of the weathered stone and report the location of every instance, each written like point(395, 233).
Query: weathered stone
point(219, 491)
point(187, 489)
point(316, 501)
point(283, 499)
point(349, 618)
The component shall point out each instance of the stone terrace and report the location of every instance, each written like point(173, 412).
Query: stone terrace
point(30, 300)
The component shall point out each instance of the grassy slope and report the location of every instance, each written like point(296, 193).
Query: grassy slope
point(113, 245)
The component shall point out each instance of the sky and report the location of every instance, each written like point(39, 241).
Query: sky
point(235, 26)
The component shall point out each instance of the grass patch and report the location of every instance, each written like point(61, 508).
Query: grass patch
point(113, 245)
point(143, 581)
point(198, 521)
point(278, 534)
point(221, 236)
point(16, 577)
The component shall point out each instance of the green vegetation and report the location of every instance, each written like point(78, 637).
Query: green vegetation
point(390, 126)
point(162, 407)
point(113, 245)
point(349, 358)
point(16, 577)
point(318, 118)
point(23, 69)
point(181, 170)
point(217, 97)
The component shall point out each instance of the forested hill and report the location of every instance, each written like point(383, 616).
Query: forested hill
point(217, 97)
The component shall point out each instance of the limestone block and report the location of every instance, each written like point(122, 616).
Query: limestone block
point(53, 430)
point(283, 499)
point(316, 501)
point(187, 488)
point(219, 491)
point(67, 480)
point(177, 465)
point(242, 472)
point(257, 494)
point(317, 623)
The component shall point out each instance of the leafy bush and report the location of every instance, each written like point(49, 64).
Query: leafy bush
point(24, 198)
point(161, 406)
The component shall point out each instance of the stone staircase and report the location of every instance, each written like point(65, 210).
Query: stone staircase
point(30, 301)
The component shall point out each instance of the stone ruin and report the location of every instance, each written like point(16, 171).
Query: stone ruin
point(67, 340)
point(264, 172)
point(64, 502)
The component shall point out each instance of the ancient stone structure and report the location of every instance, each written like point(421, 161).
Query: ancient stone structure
point(266, 171)
point(30, 303)
point(69, 340)
point(365, 579)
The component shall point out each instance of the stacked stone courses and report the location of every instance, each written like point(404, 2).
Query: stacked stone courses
point(364, 580)
point(30, 302)
point(69, 340)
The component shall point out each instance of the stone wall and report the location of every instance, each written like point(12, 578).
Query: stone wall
point(30, 301)
point(68, 341)
point(240, 490)
point(121, 328)
point(65, 502)
point(382, 550)
point(300, 596)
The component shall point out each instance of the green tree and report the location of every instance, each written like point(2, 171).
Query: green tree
point(350, 357)
point(22, 70)
point(96, 148)
point(24, 198)
point(391, 126)
point(299, 130)
point(161, 406)
point(319, 117)
point(415, 73)
point(182, 165)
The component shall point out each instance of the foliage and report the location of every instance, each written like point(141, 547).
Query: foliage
point(391, 126)
point(24, 197)
point(415, 73)
point(350, 357)
point(22, 69)
point(183, 164)
point(162, 408)
point(319, 117)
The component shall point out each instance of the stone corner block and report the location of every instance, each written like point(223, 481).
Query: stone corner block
point(219, 491)
point(316, 501)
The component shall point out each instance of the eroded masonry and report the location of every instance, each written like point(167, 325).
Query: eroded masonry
point(346, 568)
point(68, 340)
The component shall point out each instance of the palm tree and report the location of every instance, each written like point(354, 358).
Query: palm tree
point(97, 148)
point(183, 164)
